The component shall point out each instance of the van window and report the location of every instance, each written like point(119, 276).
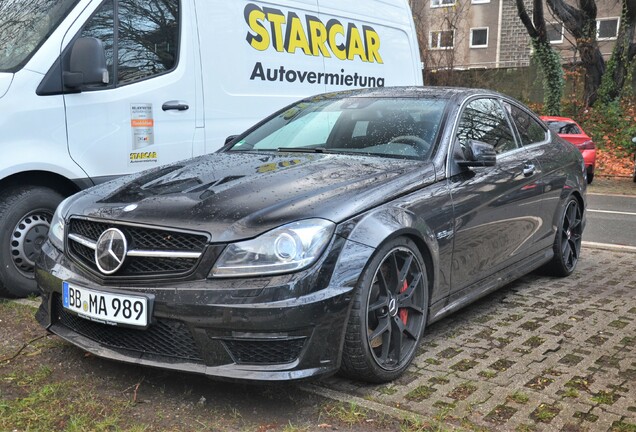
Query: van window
point(145, 42)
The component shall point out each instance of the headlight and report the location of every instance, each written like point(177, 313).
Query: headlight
point(56, 230)
point(284, 249)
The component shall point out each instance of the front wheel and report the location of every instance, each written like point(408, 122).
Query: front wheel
point(388, 314)
point(25, 217)
point(567, 243)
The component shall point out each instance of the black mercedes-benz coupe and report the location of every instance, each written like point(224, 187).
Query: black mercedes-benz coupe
point(325, 238)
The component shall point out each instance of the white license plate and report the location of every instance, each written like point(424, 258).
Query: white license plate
point(105, 307)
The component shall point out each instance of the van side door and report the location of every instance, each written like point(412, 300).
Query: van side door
point(146, 114)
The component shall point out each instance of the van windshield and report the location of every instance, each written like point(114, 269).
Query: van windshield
point(25, 25)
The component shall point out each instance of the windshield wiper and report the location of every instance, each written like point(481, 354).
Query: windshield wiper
point(303, 149)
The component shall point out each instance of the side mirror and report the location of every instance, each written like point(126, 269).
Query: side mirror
point(87, 64)
point(230, 139)
point(478, 154)
point(634, 140)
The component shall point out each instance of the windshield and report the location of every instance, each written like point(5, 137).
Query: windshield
point(392, 127)
point(563, 127)
point(25, 25)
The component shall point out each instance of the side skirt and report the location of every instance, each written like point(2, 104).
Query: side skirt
point(492, 283)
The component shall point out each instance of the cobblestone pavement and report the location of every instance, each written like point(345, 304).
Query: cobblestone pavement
point(540, 354)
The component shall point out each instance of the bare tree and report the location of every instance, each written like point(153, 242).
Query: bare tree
point(440, 32)
point(418, 10)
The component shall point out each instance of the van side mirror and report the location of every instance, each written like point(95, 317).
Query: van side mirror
point(478, 154)
point(87, 64)
point(230, 139)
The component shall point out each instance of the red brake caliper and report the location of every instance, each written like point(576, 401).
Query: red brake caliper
point(404, 313)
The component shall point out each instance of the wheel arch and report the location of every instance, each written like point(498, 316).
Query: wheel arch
point(565, 197)
point(48, 179)
point(385, 224)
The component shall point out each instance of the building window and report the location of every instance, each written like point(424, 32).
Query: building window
point(479, 37)
point(555, 32)
point(441, 39)
point(606, 28)
point(442, 3)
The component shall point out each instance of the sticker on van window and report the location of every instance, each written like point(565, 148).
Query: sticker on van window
point(142, 125)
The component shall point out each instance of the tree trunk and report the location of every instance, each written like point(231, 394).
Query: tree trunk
point(581, 23)
point(619, 65)
point(549, 60)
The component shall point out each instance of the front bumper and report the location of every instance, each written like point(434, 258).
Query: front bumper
point(263, 329)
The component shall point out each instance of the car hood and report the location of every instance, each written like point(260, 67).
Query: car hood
point(5, 82)
point(235, 196)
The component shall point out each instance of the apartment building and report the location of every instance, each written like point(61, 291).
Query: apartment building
point(463, 34)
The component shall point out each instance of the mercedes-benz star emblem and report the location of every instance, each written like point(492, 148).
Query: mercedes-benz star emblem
point(110, 251)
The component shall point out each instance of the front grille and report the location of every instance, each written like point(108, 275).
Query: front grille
point(164, 337)
point(140, 238)
point(250, 351)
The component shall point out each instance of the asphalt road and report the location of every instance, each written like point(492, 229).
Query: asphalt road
point(611, 219)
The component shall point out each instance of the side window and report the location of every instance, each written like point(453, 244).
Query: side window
point(530, 130)
point(148, 38)
point(484, 120)
point(145, 41)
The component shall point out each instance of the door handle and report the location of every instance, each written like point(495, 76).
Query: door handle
point(528, 169)
point(175, 106)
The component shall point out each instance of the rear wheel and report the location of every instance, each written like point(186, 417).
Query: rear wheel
point(388, 314)
point(25, 217)
point(567, 244)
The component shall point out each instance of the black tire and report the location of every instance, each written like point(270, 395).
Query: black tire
point(590, 178)
point(25, 217)
point(567, 243)
point(634, 173)
point(388, 314)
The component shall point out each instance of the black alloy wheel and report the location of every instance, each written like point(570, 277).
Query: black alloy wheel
point(567, 244)
point(389, 314)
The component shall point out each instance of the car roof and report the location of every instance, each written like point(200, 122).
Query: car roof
point(411, 91)
point(557, 118)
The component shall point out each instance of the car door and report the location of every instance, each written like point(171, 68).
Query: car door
point(535, 139)
point(492, 222)
point(145, 116)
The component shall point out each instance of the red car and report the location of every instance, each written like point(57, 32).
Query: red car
point(569, 130)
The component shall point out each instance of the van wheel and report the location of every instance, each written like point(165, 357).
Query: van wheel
point(25, 217)
point(388, 314)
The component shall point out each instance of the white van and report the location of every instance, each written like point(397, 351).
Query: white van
point(92, 89)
